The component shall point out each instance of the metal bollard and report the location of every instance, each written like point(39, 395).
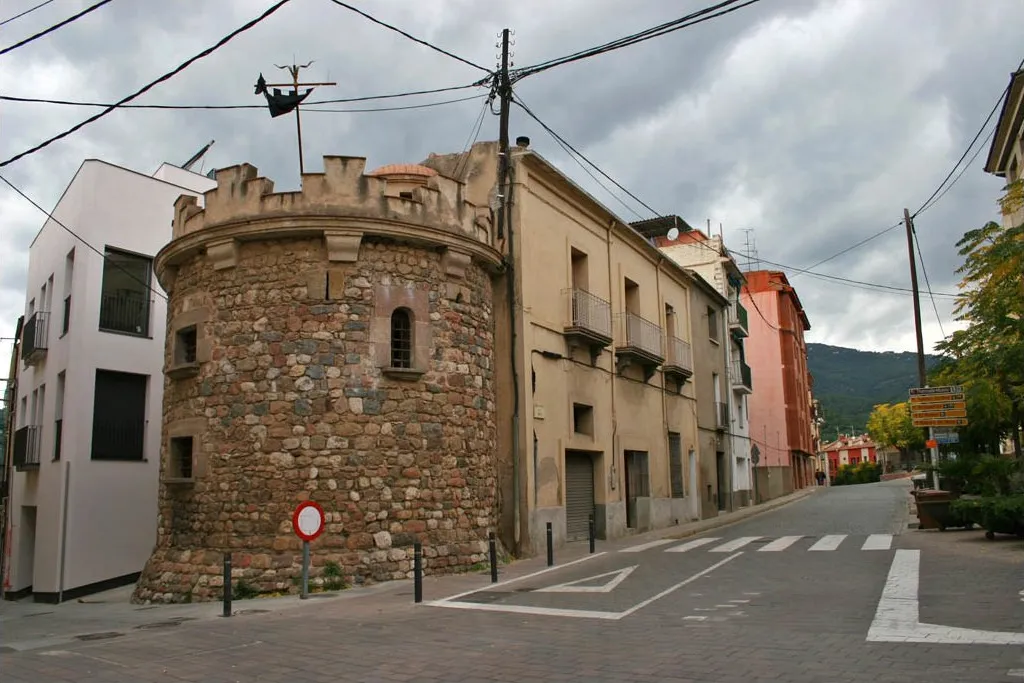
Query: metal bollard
point(417, 572)
point(493, 548)
point(593, 534)
point(227, 585)
point(551, 546)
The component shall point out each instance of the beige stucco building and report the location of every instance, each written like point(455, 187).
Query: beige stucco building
point(1006, 153)
point(598, 358)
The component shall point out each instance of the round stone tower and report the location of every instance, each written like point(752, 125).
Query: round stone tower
point(334, 345)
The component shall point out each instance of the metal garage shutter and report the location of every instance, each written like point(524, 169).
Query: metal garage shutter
point(579, 495)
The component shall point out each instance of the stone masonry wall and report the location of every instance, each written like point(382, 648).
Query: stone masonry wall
point(292, 401)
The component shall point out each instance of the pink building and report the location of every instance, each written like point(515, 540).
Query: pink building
point(781, 410)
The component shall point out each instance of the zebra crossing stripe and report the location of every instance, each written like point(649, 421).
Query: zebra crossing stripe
point(647, 546)
point(690, 545)
point(829, 542)
point(878, 542)
point(734, 545)
point(780, 544)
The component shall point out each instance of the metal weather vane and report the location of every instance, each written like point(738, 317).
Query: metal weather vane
point(281, 103)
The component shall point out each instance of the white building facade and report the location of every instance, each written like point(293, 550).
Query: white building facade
point(708, 256)
point(86, 428)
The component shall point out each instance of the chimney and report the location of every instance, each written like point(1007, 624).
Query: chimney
point(522, 141)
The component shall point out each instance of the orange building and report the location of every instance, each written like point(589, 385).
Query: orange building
point(781, 410)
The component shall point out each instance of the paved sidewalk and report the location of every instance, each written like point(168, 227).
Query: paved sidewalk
point(27, 625)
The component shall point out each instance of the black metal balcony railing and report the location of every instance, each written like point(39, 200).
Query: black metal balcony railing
point(35, 336)
point(741, 374)
point(118, 438)
point(121, 313)
point(643, 335)
point(721, 414)
point(26, 447)
point(680, 354)
point(591, 313)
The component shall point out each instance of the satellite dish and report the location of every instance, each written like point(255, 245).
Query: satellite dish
point(673, 234)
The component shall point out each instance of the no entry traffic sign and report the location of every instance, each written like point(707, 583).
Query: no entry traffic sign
point(308, 520)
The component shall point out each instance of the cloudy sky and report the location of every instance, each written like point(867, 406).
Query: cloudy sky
point(813, 123)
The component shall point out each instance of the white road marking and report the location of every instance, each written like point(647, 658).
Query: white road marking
point(506, 582)
point(694, 618)
point(647, 546)
point(1016, 673)
point(740, 601)
point(897, 618)
point(877, 542)
point(690, 545)
point(780, 544)
point(618, 576)
point(573, 613)
point(829, 542)
point(734, 545)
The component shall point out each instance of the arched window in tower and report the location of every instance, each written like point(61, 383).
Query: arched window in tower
point(401, 339)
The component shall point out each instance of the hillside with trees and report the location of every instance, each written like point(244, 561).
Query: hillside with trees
point(849, 383)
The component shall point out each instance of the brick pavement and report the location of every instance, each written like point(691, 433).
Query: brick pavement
point(805, 621)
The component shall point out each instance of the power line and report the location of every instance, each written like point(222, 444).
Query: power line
point(53, 28)
point(78, 237)
point(850, 248)
point(970, 146)
point(342, 100)
point(692, 19)
point(410, 37)
point(28, 11)
point(927, 284)
point(403, 108)
point(963, 170)
point(145, 88)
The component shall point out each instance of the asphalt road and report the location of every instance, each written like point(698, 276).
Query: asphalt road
point(826, 590)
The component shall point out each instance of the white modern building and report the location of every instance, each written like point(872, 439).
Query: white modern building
point(707, 256)
point(86, 428)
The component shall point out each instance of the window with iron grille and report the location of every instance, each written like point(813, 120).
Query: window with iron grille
point(675, 463)
point(401, 339)
point(180, 465)
point(119, 416)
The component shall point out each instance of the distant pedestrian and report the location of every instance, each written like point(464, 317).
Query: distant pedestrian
point(821, 478)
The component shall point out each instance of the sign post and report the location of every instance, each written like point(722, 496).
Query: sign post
point(308, 522)
point(942, 407)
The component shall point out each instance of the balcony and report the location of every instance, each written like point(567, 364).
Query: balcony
point(590, 323)
point(679, 364)
point(738, 319)
point(124, 313)
point(642, 345)
point(26, 448)
point(740, 377)
point(721, 415)
point(35, 337)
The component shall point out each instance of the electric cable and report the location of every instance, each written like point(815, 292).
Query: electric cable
point(963, 170)
point(341, 100)
point(928, 285)
point(851, 247)
point(81, 239)
point(402, 108)
point(967, 151)
point(53, 28)
point(184, 65)
point(28, 11)
point(410, 37)
point(691, 19)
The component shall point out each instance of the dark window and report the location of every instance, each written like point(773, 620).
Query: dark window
point(180, 465)
point(675, 463)
point(712, 324)
point(405, 195)
point(401, 339)
point(185, 345)
point(124, 300)
point(66, 325)
point(119, 416)
point(582, 419)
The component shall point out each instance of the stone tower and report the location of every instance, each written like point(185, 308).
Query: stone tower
point(335, 345)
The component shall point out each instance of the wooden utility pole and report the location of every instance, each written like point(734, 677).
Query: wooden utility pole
point(295, 85)
point(922, 375)
point(922, 372)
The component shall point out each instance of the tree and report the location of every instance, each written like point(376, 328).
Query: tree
point(992, 304)
point(890, 426)
point(989, 409)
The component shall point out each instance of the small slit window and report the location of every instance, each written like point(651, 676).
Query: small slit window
point(181, 457)
point(401, 339)
point(185, 345)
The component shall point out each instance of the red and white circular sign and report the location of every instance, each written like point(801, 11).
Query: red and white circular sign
point(308, 520)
